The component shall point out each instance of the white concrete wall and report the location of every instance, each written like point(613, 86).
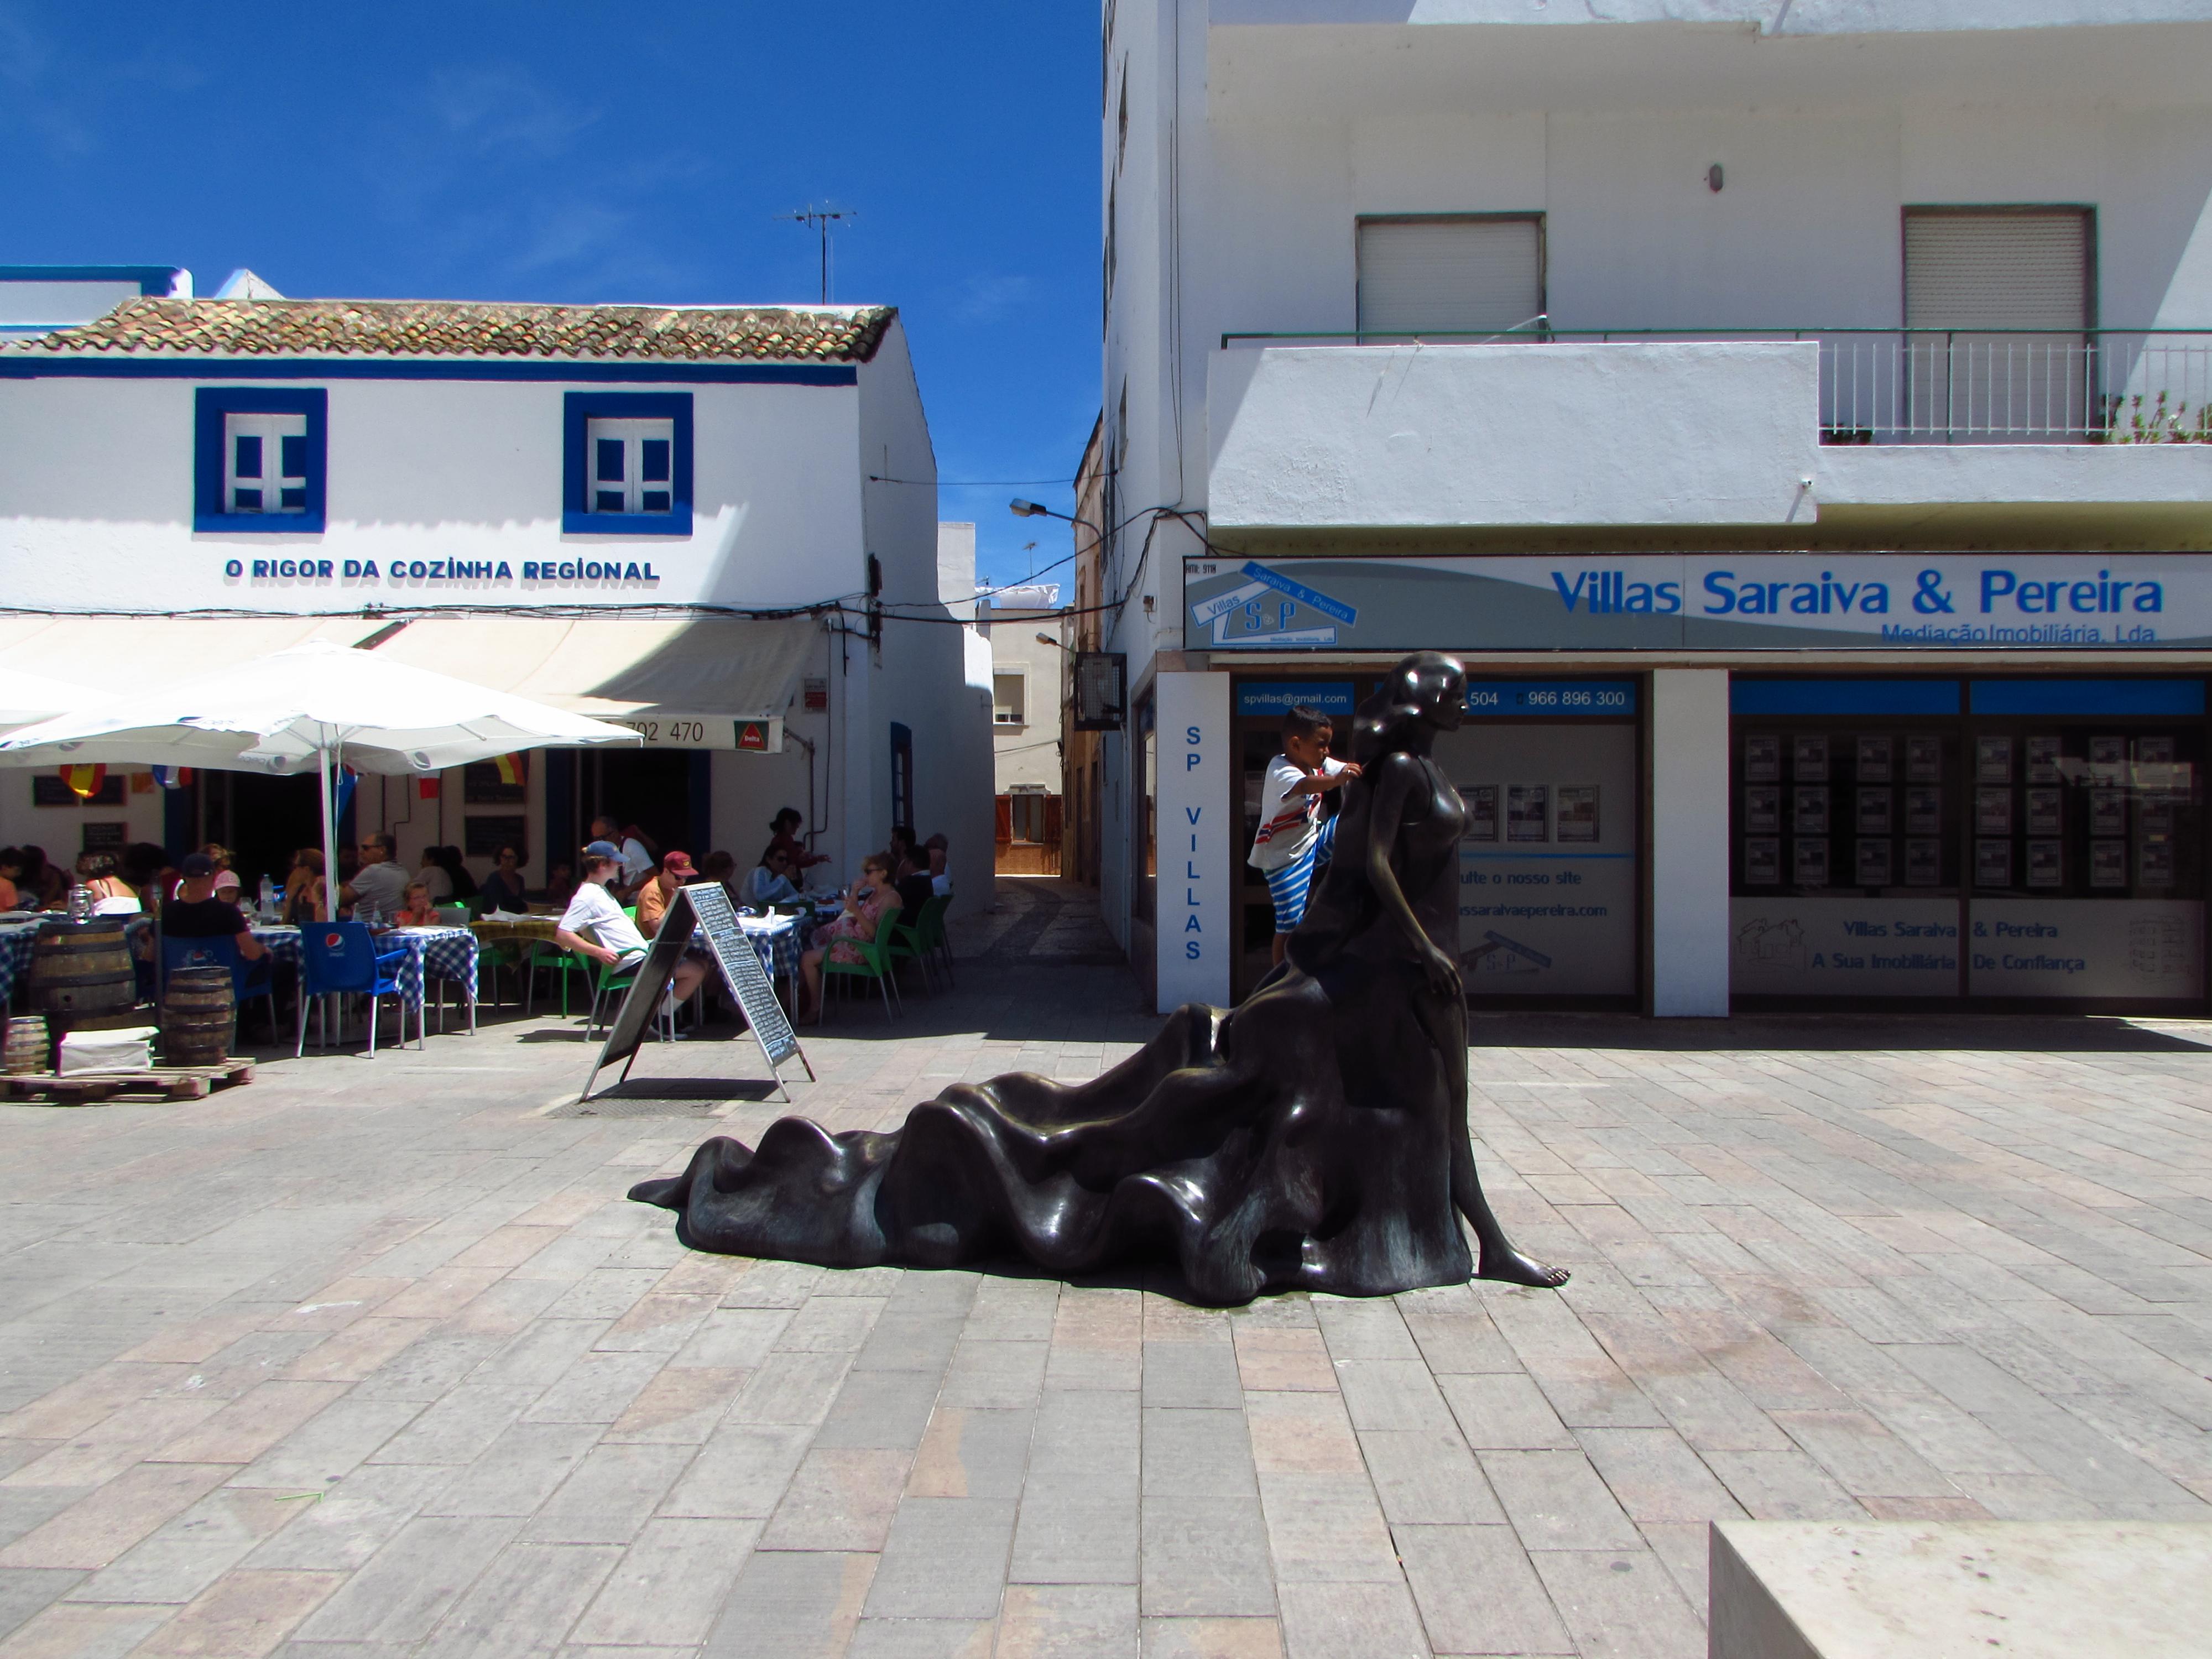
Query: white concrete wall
point(1028, 754)
point(1514, 435)
point(1689, 858)
point(1770, 16)
point(96, 498)
point(921, 677)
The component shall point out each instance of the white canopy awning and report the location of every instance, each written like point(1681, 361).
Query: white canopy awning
point(719, 674)
point(116, 656)
point(710, 682)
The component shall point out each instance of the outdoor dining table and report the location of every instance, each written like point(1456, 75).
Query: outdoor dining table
point(447, 953)
point(18, 938)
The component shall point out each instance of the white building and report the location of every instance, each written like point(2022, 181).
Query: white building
point(1752, 392)
point(1028, 636)
point(716, 524)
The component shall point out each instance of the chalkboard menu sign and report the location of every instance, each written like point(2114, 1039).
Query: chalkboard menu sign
point(48, 789)
point(105, 837)
point(705, 907)
point(486, 835)
point(481, 786)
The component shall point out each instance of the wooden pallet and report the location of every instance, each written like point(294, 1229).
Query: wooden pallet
point(162, 1083)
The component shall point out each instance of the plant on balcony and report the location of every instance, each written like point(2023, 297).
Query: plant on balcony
point(2159, 425)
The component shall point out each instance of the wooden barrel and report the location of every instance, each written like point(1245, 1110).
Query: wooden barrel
point(82, 967)
point(196, 1015)
point(28, 1046)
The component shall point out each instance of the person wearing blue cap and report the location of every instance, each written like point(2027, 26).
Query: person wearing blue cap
point(593, 924)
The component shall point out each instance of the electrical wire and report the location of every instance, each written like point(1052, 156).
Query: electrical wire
point(966, 484)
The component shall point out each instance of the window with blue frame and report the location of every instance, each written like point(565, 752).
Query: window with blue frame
point(259, 459)
point(627, 464)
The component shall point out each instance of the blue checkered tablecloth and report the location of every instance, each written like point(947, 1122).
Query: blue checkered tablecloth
point(774, 940)
point(17, 940)
point(432, 952)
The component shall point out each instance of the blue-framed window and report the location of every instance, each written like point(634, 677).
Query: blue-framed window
point(258, 459)
point(626, 464)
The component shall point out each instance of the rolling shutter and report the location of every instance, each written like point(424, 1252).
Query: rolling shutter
point(2006, 295)
point(1997, 270)
point(1450, 274)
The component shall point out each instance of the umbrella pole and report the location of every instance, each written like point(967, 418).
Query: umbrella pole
point(323, 760)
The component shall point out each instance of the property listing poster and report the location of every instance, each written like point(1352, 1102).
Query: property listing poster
point(2059, 947)
point(1843, 947)
point(1547, 868)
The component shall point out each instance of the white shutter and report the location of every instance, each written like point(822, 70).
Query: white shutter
point(1996, 270)
point(1449, 276)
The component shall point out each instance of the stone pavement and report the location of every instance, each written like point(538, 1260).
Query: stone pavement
point(373, 1359)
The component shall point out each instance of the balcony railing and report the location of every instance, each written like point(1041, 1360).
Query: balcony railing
point(1932, 385)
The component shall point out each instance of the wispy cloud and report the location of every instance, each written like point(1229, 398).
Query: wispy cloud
point(502, 110)
point(30, 69)
point(988, 299)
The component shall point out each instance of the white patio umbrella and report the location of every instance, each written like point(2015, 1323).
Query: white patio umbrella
point(318, 705)
point(27, 697)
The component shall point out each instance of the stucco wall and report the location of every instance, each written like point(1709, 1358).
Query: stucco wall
point(96, 499)
point(1514, 435)
point(1028, 754)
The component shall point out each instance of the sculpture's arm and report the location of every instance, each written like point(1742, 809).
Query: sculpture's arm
point(1394, 782)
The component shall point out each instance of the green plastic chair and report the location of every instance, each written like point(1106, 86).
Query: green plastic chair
point(875, 964)
point(609, 979)
point(924, 940)
point(562, 964)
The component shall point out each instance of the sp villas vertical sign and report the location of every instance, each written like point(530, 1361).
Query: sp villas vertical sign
point(1195, 856)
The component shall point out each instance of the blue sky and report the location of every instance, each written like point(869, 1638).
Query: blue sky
point(545, 150)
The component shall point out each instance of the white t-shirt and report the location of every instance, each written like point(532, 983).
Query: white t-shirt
point(594, 914)
point(637, 863)
point(1288, 823)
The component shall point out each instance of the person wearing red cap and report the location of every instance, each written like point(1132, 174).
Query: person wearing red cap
point(653, 897)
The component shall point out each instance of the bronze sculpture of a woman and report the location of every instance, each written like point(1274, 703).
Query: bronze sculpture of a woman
point(1315, 1138)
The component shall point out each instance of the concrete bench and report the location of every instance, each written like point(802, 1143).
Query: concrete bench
point(2007, 1590)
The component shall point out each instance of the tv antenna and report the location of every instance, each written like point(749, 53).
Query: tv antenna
point(821, 219)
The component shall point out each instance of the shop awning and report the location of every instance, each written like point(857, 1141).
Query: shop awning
point(112, 656)
point(713, 683)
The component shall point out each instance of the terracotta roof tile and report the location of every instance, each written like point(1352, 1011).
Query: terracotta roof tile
point(465, 328)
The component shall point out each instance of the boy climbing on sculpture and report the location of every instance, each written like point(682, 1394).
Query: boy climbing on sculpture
point(1293, 842)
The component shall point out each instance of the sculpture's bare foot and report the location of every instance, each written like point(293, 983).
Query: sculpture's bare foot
point(1508, 1267)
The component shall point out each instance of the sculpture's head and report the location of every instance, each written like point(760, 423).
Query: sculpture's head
point(1423, 694)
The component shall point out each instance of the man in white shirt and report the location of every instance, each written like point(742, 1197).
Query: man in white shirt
point(379, 884)
point(1293, 843)
point(594, 926)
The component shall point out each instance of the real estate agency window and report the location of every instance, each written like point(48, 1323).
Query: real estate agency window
point(259, 460)
point(1471, 273)
point(627, 464)
point(1009, 700)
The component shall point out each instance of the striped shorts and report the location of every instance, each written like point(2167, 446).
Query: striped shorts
point(1289, 885)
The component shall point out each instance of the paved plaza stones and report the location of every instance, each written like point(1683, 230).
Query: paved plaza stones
point(373, 1359)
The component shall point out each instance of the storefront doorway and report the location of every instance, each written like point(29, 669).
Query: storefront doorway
point(1551, 870)
point(263, 820)
point(662, 791)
